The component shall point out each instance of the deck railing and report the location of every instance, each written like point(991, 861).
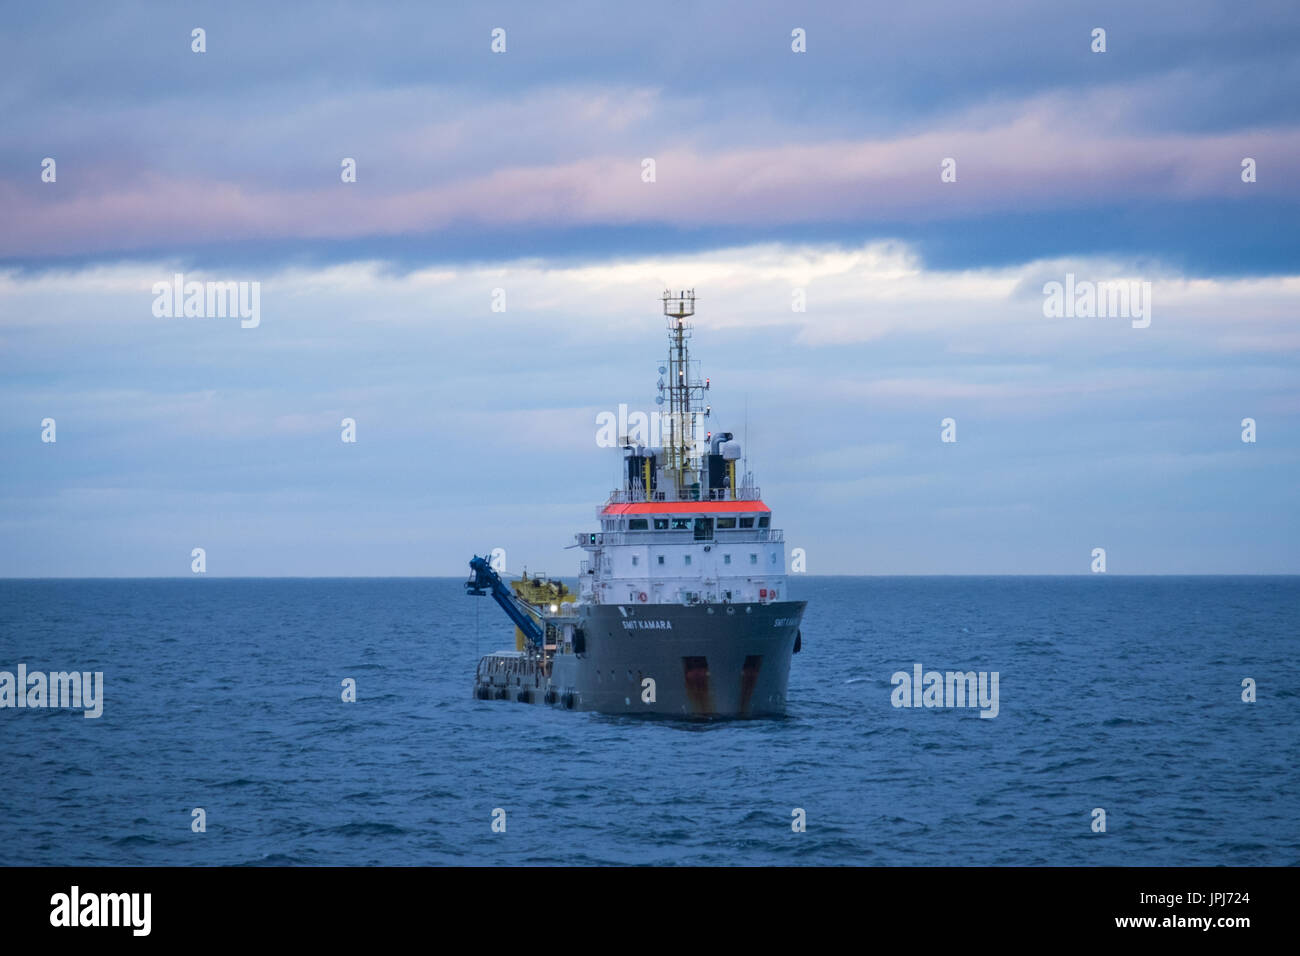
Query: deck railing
point(621, 496)
point(725, 536)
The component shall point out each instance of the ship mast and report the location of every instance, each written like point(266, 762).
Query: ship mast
point(681, 460)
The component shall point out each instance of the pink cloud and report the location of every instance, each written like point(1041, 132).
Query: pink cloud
point(1042, 160)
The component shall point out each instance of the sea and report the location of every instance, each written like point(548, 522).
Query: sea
point(1149, 721)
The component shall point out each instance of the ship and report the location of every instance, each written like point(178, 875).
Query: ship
point(681, 607)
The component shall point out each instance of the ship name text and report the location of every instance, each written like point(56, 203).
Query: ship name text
point(635, 625)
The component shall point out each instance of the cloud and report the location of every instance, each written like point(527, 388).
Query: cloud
point(871, 293)
point(1049, 153)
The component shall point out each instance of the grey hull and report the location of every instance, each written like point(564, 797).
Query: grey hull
point(714, 660)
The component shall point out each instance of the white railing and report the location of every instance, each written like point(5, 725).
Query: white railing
point(681, 536)
point(621, 496)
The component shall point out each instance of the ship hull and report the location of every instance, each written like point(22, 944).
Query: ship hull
point(699, 661)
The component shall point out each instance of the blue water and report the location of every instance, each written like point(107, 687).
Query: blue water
point(1118, 693)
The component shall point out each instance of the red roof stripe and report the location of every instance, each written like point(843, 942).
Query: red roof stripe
point(685, 507)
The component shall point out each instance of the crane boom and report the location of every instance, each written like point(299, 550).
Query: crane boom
point(483, 580)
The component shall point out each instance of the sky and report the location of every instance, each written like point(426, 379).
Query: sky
point(490, 282)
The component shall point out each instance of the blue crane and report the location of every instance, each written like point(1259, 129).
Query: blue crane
point(483, 580)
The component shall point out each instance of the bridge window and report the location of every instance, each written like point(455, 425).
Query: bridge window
point(747, 522)
point(703, 529)
point(764, 521)
point(681, 524)
point(661, 524)
point(726, 522)
point(637, 524)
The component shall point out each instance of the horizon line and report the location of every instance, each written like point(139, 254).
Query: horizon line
point(444, 577)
